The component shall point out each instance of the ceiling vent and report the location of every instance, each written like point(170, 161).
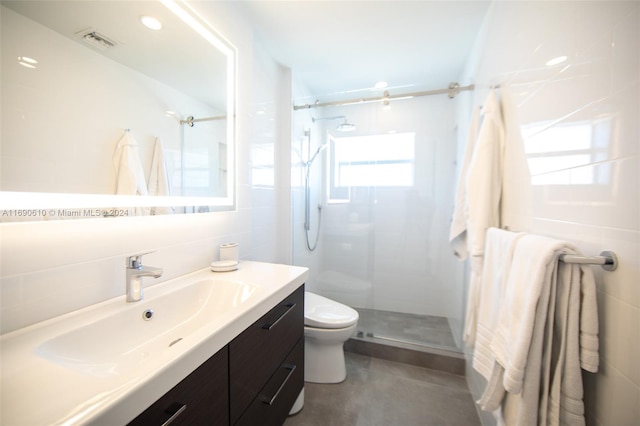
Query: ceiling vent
point(96, 39)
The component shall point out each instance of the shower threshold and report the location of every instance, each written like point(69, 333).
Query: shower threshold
point(407, 342)
point(421, 340)
point(441, 358)
point(419, 332)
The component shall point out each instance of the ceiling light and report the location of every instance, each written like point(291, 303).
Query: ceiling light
point(381, 85)
point(151, 23)
point(27, 62)
point(556, 61)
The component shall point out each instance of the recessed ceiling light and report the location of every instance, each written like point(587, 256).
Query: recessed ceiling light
point(556, 61)
point(27, 62)
point(151, 22)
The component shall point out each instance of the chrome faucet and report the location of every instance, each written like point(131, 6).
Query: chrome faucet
point(135, 272)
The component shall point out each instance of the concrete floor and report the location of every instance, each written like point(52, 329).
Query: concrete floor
point(378, 392)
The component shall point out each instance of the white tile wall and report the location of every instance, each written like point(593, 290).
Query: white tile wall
point(599, 83)
point(50, 268)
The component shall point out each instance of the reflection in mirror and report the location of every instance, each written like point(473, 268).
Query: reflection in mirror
point(571, 154)
point(96, 104)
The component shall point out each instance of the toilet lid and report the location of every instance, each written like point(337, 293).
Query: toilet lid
point(321, 312)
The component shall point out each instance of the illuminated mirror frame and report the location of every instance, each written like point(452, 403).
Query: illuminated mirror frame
point(21, 205)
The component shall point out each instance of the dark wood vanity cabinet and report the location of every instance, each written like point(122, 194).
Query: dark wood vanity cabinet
point(254, 380)
point(201, 398)
point(276, 398)
point(266, 364)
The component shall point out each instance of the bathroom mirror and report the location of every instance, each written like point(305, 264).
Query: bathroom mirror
point(94, 89)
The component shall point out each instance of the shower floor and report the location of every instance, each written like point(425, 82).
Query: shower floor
point(405, 330)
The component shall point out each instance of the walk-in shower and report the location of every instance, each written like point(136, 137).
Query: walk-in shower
point(385, 194)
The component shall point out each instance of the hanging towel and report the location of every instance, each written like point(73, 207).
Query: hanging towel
point(483, 181)
point(484, 177)
point(534, 265)
point(576, 341)
point(129, 173)
point(159, 178)
point(458, 229)
point(515, 205)
point(547, 331)
point(521, 332)
point(498, 255)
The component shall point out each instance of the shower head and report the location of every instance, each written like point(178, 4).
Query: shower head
point(346, 127)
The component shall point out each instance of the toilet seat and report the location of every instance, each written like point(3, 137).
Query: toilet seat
point(320, 312)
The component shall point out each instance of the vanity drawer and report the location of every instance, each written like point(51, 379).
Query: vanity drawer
point(257, 353)
point(273, 403)
point(201, 398)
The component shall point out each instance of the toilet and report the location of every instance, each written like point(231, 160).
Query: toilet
point(327, 325)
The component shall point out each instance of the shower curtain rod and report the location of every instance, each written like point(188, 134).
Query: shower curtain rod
point(452, 91)
point(190, 120)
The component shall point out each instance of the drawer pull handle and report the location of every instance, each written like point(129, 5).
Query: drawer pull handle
point(289, 306)
point(177, 409)
point(291, 369)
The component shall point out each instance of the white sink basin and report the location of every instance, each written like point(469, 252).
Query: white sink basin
point(102, 363)
point(119, 342)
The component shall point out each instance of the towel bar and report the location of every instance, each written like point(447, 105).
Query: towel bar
point(607, 259)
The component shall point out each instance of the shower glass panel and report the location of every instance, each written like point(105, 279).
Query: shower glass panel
point(381, 198)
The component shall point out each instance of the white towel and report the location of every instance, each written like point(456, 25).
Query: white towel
point(563, 340)
point(515, 204)
point(159, 178)
point(484, 187)
point(484, 177)
point(576, 318)
point(458, 229)
point(534, 263)
point(498, 255)
point(552, 390)
point(129, 173)
point(523, 331)
point(589, 341)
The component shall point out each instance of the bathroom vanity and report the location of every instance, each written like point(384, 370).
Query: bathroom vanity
point(253, 380)
point(220, 349)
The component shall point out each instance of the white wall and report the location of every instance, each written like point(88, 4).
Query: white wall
point(597, 87)
point(50, 268)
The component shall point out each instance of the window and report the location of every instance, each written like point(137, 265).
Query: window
point(362, 161)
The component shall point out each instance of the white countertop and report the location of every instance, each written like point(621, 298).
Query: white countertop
point(37, 390)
